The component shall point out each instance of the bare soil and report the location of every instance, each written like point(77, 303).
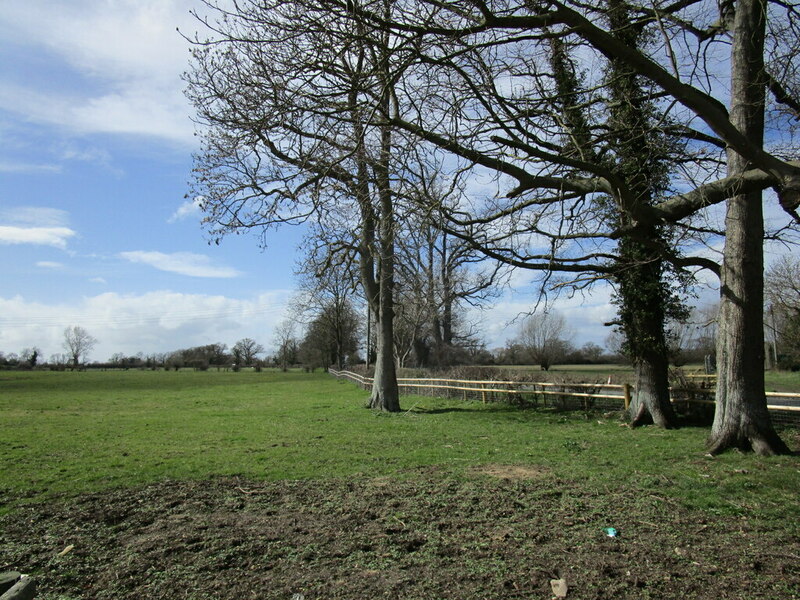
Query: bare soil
point(504, 532)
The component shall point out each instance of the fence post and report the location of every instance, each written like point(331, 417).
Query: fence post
point(483, 393)
point(626, 390)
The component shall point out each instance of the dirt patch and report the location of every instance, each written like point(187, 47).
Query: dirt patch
point(510, 471)
point(427, 537)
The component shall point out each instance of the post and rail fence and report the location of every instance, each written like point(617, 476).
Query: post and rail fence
point(603, 396)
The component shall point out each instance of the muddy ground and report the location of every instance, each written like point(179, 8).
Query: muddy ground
point(500, 533)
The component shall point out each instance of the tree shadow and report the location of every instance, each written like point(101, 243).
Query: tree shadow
point(454, 409)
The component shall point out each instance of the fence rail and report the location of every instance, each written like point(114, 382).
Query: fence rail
point(585, 392)
point(488, 390)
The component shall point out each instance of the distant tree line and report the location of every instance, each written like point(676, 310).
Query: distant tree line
point(78, 343)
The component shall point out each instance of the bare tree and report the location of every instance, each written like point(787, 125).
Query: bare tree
point(583, 174)
point(58, 361)
point(782, 283)
point(31, 355)
point(327, 303)
point(247, 349)
point(694, 339)
point(286, 345)
point(545, 335)
point(331, 337)
point(523, 155)
point(741, 419)
point(783, 319)
point(438, 276)
point(296, 98)
point(78, 343)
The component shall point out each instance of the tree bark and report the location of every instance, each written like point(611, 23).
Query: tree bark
point(645, 297)
point(642, 313)
point(651, 402)
point(742, 419)
point(447, 295)
point(385, 392)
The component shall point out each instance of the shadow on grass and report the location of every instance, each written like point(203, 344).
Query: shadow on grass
point(503, 409)
point(442, 411)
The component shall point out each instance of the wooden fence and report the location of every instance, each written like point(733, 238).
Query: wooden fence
point(606, 396)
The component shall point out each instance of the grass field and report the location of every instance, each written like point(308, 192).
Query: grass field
point(68, 436)
point(83, 432)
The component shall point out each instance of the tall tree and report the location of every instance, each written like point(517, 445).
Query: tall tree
point(331, 337)
point(78, 343)
point(588, 156)
point(545, 336)
point(439, 276)
point(247, 349)
point(296, 97)
point(783, 320)
point(741, 419)
point(286, 345)
point(645, 297)
point(326, 302)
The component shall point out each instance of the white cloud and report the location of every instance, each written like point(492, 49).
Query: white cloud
point(127, 110)
point(135, 111)
point(34, 216)
point(48, 264)
point(11, 167)
point(71, 151)
point(188, 209)
point(107, 39)
point(128, 54)
point(158, 321)
point(35, 225)
point(183, 263)
point(584, 314)
point(98, 280)
point(46, 236)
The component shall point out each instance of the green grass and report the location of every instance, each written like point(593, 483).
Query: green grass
point(782, 381)
point(84, 432)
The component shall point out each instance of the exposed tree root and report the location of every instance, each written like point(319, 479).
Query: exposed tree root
point(761, 443)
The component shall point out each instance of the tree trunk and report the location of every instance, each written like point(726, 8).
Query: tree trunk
point(447, 296)
point(742, 419)
point(651, 402)
point(433, 300)
point(385, 392)
point(642, 312)
point(644, 296)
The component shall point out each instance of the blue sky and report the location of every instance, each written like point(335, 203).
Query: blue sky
point(96, 143)
point(94, 162)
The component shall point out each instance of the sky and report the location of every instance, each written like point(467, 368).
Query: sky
point(95, 155)
point(96, 143)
